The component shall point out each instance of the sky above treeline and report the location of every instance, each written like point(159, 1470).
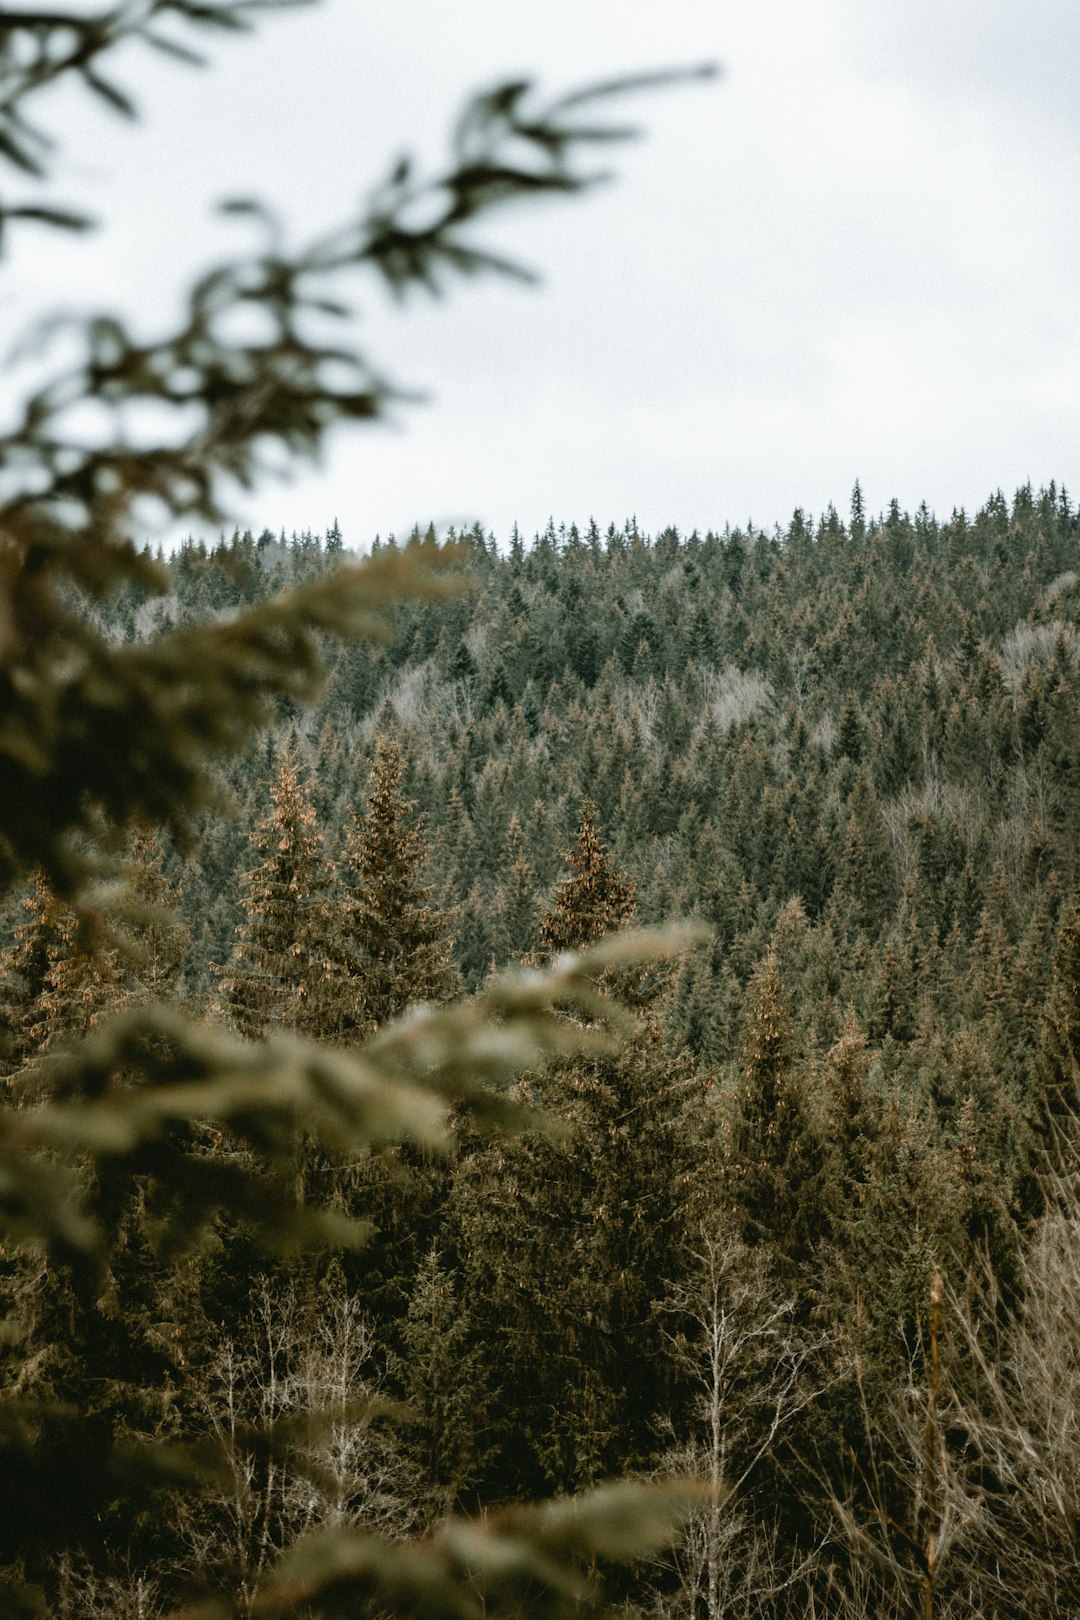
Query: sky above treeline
point(855, 255)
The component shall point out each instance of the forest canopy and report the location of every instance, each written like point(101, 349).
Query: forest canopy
point(161, 1153)
point(838, 1149)
point(381, 1176)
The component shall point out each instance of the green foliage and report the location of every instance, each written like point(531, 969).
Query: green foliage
point(25, 970)
point(593, 900)
point(150, 1142)
point(850, 748)
point(93, 730)
point(442, 1379)
point(544, 1556)
point(775, 1165)
point(401, 945)
point(559, 1310)
point(287, 970)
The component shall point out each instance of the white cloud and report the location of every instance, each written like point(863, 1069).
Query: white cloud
point(858, 255)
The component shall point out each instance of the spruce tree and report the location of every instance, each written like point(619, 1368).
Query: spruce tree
point(399, 949)
point(775, 1162)
point(441, 1376)
point(86, 979)
point(515, 900)
point(564, 1304)
point(156, 935)
point(864, 887)
point(476, 937)
point(593, 899)
point(399, 943)
point(63, 976)
point(66, 970)
point(852, 1121)
point(1058, 1104)
point(850, 737)
point(62, 973)
point(288, 968)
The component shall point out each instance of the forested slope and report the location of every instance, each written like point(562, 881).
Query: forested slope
point(791, 1236)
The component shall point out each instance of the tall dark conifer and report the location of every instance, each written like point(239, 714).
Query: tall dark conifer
point(157, 934)
point(288, 968)
point(776, 1157)
point(400, 943)
point(593, 899)
point(564, 1303)
point(400, 949)
point(87, 978)
point(515, 901)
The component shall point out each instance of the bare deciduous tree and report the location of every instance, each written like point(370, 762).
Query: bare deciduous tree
point(296, 1401)
point(734, 1336)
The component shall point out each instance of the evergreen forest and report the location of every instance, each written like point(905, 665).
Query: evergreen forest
point(787, 1207)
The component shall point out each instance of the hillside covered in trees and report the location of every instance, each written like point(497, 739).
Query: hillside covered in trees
point(806, 1232)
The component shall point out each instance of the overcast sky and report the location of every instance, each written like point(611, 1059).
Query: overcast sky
point(856, 255)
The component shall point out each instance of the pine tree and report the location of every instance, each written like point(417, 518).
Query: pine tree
point(86, 978)
point(156, 934)
point(516, 901)
point(400, 945)
point(593, 900)
point(288, 968)
point(775, 1159)
point(442, 1379)
point(564, 1304)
